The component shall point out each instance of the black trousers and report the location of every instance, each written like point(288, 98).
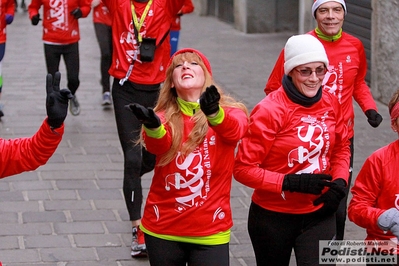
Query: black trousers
point(137, 160)
point(274, 235)
point(70, 53)
point(104, 39)
point(171, 253)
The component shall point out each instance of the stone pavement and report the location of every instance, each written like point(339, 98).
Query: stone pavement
point(71, 211)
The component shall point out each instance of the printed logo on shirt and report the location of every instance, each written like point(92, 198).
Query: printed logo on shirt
point(191, 182)
point(58, 10)
point(128, 40)
point(333, 80)
point(315, 136)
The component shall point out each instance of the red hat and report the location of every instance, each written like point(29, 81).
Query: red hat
point(191, 50)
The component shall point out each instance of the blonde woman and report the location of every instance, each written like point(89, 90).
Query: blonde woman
point(193, 131)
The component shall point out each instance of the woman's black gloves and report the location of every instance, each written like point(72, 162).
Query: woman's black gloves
point(35, 19)
point(306, 183)
point(145, 115)
point(373, 117)
point(209, 100)
point(56, 101)
point(332, 198)
point(77, 13)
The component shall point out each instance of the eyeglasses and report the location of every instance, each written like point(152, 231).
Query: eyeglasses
point(306, 72)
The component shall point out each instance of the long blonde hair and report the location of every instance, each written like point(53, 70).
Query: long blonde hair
point(167, 102)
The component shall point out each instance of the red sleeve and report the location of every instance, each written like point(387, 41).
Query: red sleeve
point(10, 9)
point(33, 8)
point(234, 125)
point(85, 7)
point(366, 190)
point(361, 91)
point(340, 157)
point(274, 81)
point(26, 154)
point(162, 145)
point(174, 6)
point(254, 147)
point(188, 7)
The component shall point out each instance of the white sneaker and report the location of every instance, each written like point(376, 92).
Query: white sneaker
point(74, 106)
point(106, 99)
point(138, 248)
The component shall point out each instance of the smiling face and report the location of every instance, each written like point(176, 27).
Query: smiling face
point(308, 85)
point(188, 76)
point(330, 18)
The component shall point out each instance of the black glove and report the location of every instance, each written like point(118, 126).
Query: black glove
point(209, 100)
point(77, 13)
point(35, 19)
point(332, 197)
point(56, 101)
point(373, 118)
point(146, 116)
point(306, 183)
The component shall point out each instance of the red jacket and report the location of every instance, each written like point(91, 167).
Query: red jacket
point(288, 138)
point(156, 25)
point(59, 26)
point(176, 21)
point(27, 154)
point(345, 77)
point(7, 7)
point(376, 190)
point(101, 15)
point(191, 196)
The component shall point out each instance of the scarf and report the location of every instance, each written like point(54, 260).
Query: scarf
point(297, 97)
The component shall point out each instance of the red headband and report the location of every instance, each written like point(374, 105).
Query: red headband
point(191, 50)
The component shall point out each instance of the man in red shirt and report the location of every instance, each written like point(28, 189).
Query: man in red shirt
point(345, 77)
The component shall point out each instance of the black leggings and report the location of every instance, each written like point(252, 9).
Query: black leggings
point(104, 39)
point(274, 235)
point(70, 52)
point(171, 253)
point(137, 161)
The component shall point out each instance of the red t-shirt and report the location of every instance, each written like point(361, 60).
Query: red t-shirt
point(59, 26)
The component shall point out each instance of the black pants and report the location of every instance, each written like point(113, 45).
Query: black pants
point(104, 39)
point(342, 209)
point(137, 160)
point(274, 235)
point(70, 53)
point(171, 253)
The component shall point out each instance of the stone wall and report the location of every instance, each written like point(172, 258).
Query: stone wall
point(385, 49)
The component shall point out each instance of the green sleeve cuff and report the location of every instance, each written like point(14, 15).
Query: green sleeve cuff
point(157, 133)
point(217, 119)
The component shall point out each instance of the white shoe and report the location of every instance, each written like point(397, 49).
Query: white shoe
point(106, 99)
point(74, 106)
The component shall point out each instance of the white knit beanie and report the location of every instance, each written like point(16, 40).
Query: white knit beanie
point(303, 49)
point(317, 3)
